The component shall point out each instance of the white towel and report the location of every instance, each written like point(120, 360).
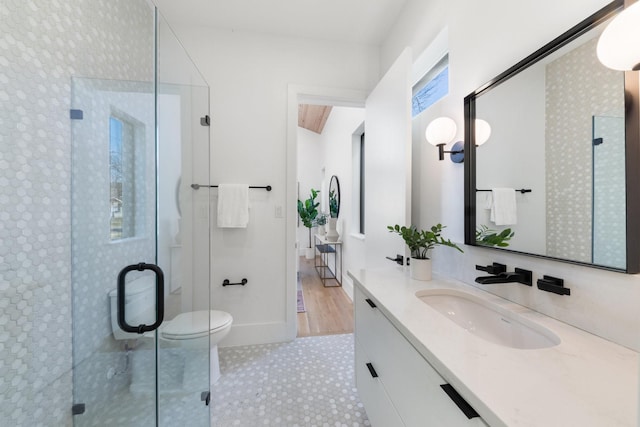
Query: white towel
point(503, 209)
point(233, 205)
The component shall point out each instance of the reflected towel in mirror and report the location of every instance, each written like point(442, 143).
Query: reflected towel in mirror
point(503, 209)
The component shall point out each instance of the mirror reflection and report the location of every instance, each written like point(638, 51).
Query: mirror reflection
point(334, 197)
point(553, 171)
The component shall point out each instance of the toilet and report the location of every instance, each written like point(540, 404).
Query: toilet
point(189, 330)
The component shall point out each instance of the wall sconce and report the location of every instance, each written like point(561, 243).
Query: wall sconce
point(619, 44)
point(442, 130)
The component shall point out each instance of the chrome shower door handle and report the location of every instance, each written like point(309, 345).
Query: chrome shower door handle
point(142, 328)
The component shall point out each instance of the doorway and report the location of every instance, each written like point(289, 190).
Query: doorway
point(325, 168)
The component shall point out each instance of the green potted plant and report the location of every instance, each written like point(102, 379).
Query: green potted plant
point(321, 221)
point(419, 243)
point(308, 211)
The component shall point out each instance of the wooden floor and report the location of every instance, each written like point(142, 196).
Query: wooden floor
point(329, 310)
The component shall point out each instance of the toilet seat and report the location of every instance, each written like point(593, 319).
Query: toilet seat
point(195, 324)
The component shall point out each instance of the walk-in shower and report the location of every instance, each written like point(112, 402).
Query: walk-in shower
point(103, 126)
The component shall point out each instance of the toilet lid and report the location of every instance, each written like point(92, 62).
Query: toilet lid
point(195, 324)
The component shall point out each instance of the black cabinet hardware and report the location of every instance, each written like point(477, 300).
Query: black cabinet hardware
point(241, 283)
point(462, 404)
point(78, 409)
point(495, 268)
point(371, 303)
point(372, 371)
point(553, 284)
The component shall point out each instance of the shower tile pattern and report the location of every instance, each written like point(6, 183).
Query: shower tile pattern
point(578, 87)
point(306, 382)
point(42, 45)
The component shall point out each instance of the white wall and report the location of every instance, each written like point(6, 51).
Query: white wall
point(249, 76)
point(337, 143)
point(310, 175)
point(486, 38)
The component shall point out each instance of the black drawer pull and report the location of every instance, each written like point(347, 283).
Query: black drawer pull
point(371, 303)
point(462, 404)
point(372, 371)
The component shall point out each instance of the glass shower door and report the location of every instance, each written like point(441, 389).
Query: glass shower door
point(136, 148)
point(609, 209)
point(183, 234)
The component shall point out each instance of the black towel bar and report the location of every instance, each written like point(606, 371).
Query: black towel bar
point(197, 186)
point(521, 190)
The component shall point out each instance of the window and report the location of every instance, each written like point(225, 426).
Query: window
point(122, 171)
point(432, 87)
point(361, 192)
point(358, 153)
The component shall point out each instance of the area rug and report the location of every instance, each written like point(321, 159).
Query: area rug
point(301, 307)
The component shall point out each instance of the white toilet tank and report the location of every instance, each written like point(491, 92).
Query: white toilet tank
point(140, 305)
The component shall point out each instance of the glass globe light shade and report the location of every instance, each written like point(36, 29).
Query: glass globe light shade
point(483, 131)
point(441, 131)
point(619, 44)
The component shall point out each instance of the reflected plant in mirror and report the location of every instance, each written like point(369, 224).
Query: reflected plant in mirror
point(486, 236)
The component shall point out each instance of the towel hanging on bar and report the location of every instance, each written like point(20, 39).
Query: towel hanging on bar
point(233, 205)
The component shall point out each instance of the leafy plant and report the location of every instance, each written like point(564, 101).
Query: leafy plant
point(488, 237)
point(334, 208)
point(421, 241)
point(308, 211)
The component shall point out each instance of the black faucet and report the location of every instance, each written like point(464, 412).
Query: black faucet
point(519, 276)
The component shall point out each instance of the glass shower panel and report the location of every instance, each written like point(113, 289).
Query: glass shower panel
point(183, 234)
point(609, 209)
point(113, 225)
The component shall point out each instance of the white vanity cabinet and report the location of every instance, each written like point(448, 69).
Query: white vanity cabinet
point(396, 384)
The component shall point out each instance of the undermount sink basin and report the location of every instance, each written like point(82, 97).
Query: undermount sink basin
point(488, 321)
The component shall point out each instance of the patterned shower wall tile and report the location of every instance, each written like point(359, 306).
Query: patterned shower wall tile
point(42, 45)
point(578, 87)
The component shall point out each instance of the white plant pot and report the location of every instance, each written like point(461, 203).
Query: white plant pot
point(310, 253)
point(332, 233)
point(420, 269)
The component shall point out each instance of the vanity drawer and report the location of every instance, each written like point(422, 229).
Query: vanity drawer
point(377, 404)
point(412, 383)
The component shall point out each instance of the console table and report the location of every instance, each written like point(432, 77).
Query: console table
point(330, 256)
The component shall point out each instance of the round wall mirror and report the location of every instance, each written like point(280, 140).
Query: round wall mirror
point(334, 197)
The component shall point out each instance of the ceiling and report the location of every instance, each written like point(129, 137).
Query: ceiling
point(354, 21)
point(313, 117)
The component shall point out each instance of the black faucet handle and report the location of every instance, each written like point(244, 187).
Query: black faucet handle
point(553, 284)
point(495, 268)
point(399, 259)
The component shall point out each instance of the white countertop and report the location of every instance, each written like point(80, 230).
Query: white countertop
point(584, 381)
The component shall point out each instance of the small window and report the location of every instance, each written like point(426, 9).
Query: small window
point(122, 171)
point(358, 153)
point(361, 192)
point(432, 87)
